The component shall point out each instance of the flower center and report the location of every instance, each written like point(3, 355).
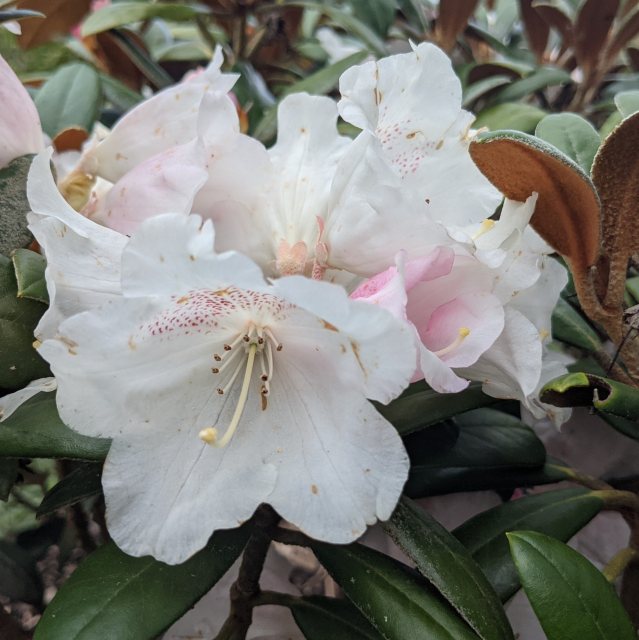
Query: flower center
point(258, 343)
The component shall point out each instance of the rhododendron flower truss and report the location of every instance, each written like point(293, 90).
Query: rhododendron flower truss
point(222, 392)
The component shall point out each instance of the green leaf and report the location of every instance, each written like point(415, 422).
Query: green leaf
point(447, 564)
point(36, 431)
point(19, 14)
point(320, 618)
point(119, 94)
point(627, 102)
point(490, 446)
point(510, 115)
point(29, 267)
point(71, 97)
point(586, 389)
point(573, 135)
point(571, 327)
point(397, 601)
point(19, 361)
point(14, 205)
point(18, 576)
point(318, 83)
point(113, 595)
point(414, 411)
point(483, 86)
point(557, 513)
point(537, 80)
point(377, 14)
point(571, 598)
point(8, 476)
point(83, 482)
point(124, 13)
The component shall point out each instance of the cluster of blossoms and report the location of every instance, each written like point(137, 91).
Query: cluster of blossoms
point(224, 312)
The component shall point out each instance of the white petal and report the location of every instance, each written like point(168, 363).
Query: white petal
point(383, 345)
point(20, 130)
point(164, 183)
point(172, 254)
point(437, 373)
point(12, 401)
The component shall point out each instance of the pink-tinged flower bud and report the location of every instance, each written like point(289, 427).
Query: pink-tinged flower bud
point(20, 130)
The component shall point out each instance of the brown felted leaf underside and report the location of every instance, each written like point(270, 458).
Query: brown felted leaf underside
point(567, 214)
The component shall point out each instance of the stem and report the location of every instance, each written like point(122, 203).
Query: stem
point(619, 563)
point(247, 586)
point(615, 500)
point(295, 538)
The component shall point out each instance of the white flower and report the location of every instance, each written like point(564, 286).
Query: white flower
point(222, 392)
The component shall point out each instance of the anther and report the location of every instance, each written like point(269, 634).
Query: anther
point(227, 347)
point(220, 391)
point(208, 435)
point(462, 334)
point(217, 357)
point(215, 370)
point(484, 227)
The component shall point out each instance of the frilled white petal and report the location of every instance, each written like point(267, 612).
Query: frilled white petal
point(511, 368)
point(383, 346)
point(171, 254)
point(167, 119)
point(304, 162)
point(372, 215)
point(83, 258)
point(164, 183)
point(438, 373)
point(12, 401)
point(20, 129)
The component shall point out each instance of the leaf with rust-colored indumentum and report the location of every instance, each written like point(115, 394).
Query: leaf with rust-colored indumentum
point(591, 31)
point(537, 29)
point(60, 17)
point(615, 173)
point(452, 20)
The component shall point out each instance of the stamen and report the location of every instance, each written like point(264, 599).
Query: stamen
point(464, 332)
point(241, 403)
point(485, 226)
point(269, 333)
point(233, 377)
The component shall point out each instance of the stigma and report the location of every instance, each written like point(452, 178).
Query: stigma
point(462, 334)
point(247, 351)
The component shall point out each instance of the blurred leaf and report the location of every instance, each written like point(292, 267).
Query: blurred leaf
point(624, 33)
point(70, 139)
point(8, 476)
point(446, 563)
point(14, 205)
point(19, 14)
point(29, 268)
point(19, 361)
point(36, 431)
point(567, 212)
point(591, 29)
point(537, 80)
point(491, 448)
point(18, 576)
point(573, 135)
point(557, 513)
point(627, 102)
point(415, 411)
point(396, 600)
point(377, 14)
point(318, 83)
point(452, 20)
point(609, 124)
point(571, 327)
point(119, 94)
point(124, 13)
point(571, 598)
point(61, 17)
point(83, 482)
point(478, 89)
point(70, 98)
point(113, 595)
point(558, 15)
point(510, 115)
point(322, 618)
point(537, 29)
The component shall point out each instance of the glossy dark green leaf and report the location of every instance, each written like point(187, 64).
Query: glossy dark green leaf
point(571, 598)
point(629, 428)
point(83, 482)
point(539, 79)
point(510, 115)
point(417, 410)
point(483, 86)
point(19, 14)
point(124, 13)
point(8, 476)
point(573, 135)
point(29, 267)
point(113, 595)
point(448, 565)
point(19, 361)
point(571, 327)
point(36, 431)
point(18, 576)
point(490, 447)
point(322, 618)
point(71, 97)
point(396, 600)
point(557, 513)
point(318, 83)
point(14, 205)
